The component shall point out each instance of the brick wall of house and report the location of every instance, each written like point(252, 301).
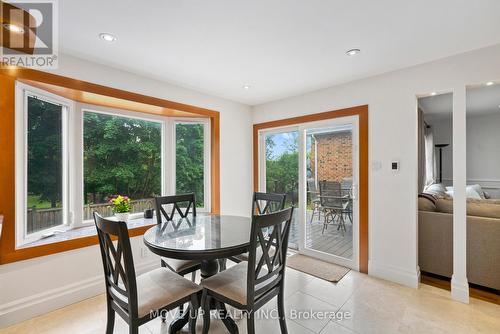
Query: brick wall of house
point(334, 156)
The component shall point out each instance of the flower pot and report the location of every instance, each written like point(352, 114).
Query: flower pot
point(122, 216)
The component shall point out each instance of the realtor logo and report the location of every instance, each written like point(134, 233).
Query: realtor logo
point(29, 34)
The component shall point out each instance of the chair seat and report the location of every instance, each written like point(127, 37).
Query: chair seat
point(244, 256)
point(161, 287)
point(232, 283)
point(180, 265)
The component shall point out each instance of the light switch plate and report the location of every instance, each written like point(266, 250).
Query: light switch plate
point(395, 166)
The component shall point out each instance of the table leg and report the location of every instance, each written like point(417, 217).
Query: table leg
point(180, 321)
point(208, 269)
point(226, 318)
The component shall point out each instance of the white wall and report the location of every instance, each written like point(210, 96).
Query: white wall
point(39, 285)
point(483, 158)
point(393, 135)
point(483, 152)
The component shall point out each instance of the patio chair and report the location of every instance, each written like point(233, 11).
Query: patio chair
point(315, 200)
point(347, 189)
point(333, 204)
point(250, 285)
point(138, 299)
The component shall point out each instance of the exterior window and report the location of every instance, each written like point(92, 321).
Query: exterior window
point(122, 156)
point(42, 165)
point(190, 149)
point(45, 165)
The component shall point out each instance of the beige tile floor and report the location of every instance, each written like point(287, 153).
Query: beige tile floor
point(374, 306)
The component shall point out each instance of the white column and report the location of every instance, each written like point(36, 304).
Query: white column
point(459, 284)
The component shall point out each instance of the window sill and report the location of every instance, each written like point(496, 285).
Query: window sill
point(69, 240)
point(85, 231)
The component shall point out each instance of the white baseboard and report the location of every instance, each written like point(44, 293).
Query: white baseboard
point(47, 301)
point(394, 274)
point(460, 290)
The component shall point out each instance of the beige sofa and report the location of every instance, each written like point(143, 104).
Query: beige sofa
point(435, 240)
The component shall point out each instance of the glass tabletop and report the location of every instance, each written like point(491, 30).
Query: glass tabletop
point(202, 236)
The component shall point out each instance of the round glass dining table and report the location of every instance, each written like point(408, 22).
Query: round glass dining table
point(204, 237)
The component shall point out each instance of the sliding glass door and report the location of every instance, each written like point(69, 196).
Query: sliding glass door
point(280, 170)
point(316, 165)
point(328, 180)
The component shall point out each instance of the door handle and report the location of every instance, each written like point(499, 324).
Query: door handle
point(354, 192)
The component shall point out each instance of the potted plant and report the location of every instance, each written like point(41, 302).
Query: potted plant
point(121, 207)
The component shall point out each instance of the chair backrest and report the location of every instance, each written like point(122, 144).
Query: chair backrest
point(347, 183)
point(174, 200)
point(312, 189)
point(347, 186)
point(330, 193)
point(266, 269)
point(118, 263)
point(264, 203)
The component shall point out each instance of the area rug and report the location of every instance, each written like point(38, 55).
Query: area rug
point(321, 269)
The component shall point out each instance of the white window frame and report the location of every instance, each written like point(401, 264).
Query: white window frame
point(163, 121)
point(206, 158)
point(22, 92)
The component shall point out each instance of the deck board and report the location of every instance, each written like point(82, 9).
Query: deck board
point(332, 241)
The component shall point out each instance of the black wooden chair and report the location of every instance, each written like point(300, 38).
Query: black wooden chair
point(248, 286)
point(181, 267)
point(138, 299)
point(263, 203)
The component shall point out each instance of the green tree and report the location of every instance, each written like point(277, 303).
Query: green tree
point(189, 160)
point(282, 166)
point(44, 151)
point(121, 156)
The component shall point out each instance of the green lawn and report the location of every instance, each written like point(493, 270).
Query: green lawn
point(34, 200)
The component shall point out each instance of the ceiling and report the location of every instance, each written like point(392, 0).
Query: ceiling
point(278, 48)
point(481, 100)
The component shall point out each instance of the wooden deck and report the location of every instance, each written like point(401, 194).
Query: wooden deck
point(332, 241)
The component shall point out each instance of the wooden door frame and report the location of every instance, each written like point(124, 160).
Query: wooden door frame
point(362, 113)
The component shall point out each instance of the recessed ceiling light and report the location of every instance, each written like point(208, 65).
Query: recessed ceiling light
point(353, 52)
point(490, 83)
point(246, 87)
point(107, 37)
point(14, 28)
point(433, 94)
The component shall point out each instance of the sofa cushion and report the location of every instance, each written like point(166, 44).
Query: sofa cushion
point(437, 189)
point(484, 208)
point(473, 192)
point(475, 207)
point(426, 202)
point(444, 205)
point(477, 188)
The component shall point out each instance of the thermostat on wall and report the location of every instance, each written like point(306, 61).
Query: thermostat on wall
point(395, 166)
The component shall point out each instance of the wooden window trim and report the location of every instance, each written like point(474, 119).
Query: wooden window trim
point(80, 91)
point(362, 113)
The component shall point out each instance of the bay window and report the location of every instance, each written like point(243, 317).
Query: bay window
point(72, 158)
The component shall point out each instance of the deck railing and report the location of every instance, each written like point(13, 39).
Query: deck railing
point(41, 219)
